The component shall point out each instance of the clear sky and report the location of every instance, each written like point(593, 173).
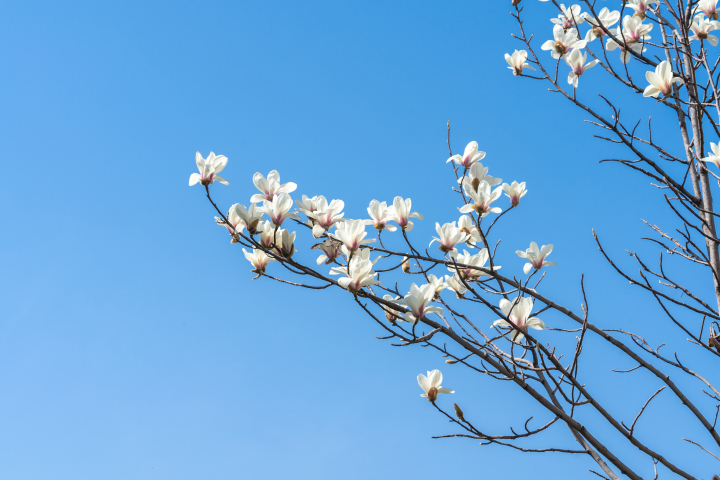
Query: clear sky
point(133, 343)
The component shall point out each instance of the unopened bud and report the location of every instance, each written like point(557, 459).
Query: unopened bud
point(432, 394)
point(515, 2)
point(406, 265)
point(459, 412)
point(450, 362)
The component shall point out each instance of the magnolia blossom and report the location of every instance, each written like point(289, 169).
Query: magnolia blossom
point(417, 301)
point(359, 273)
point(285, 243)
point(563, 42)
point(467, 225)
point(431, 385)
point(569, 17)
point(476, 174)
point(310, 205)
point(436, 282)
point(660, 80)
point(576, 62)
point(401, 213)
point(517, 313)
point(514, 192)
point(270, 186)
point(455, 284)
point(709, 8)
point(470, 156)
point(278, 209)
point(352, 234)
point(268, 234)
point(715, 157)
point(640, 7)
point(391, 314)
point(605, 18)
point(258, 259)
point(482, 197)
point(325, 215)
point(633, 33)
point(478, 260)
point(536, 257)
point(240, 217)
point(380, 215)
point(209, 168)
point(701, 27)
point(449, 236)
point(330, 251)
point(517, 62)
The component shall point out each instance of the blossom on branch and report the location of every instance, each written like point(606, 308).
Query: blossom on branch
point(536, 257)
point(437, 283)
point(352, 234)
point(476, 174)
point(391, 314)
point(633, 33)
point(661, 80)
point(701, 27)
point(417, 301)
point(209, 168)
point(482, 197)
point(449, 236)
point(563, 42)
point(467, 225)
point(709, 8)
point(431, 385)
point(359, 274)
point(640, 7)
point(380, 215)
point(325, 215)
point(514, 192)
point(478, 260)
point(455, 284)
point(569, 17)
point(576, 62)
point(470, 156)
point(240, 217)
point(270, 186)
point(258, 259)
point(517, 313)
point(278, 209)
point(330, 251)
point(517, 61)
point(401, 213)
point(605, 18)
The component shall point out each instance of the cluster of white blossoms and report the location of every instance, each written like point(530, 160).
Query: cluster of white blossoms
point(632, 36)
point(346, 248)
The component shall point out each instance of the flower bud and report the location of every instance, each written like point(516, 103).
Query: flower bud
point(432, 394)
point(450, 362)
point(406, 265)
point(459, 412)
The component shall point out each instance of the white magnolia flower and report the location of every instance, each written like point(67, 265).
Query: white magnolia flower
point(330, 251)
point(455, 284)
point(380, 215)
point(359, 274)
point(352, 234)
point(518, 312)
point(563, 42)
point(715, 157)
point(536, 257)
point(449, 236)
point(470, 156)
point(482, 197)
point(640, 7)
point(258, 259)
point(240, 218)
point(569, 17)
point(476, 174)
point(309, 205)
point(514, 192)
point(576, 61)
point(431, 385)
point(209, 168)
point(270, 186)
point(605, 18)
point(660, 80)
point(285, 243)
point(634, 33)
point(268, 234)
point(325, 215)
point(401, 213)
point(437, 283)
point(701, 27)
point(709, 8)
point(417, 301)
point(478, 260)
point(517, 61)
point(467, 225)
point(278, 209)
point(391, 314)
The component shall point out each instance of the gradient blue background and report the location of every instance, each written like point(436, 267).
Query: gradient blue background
point(133, 343)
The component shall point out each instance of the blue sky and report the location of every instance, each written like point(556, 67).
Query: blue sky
point(133, 343)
